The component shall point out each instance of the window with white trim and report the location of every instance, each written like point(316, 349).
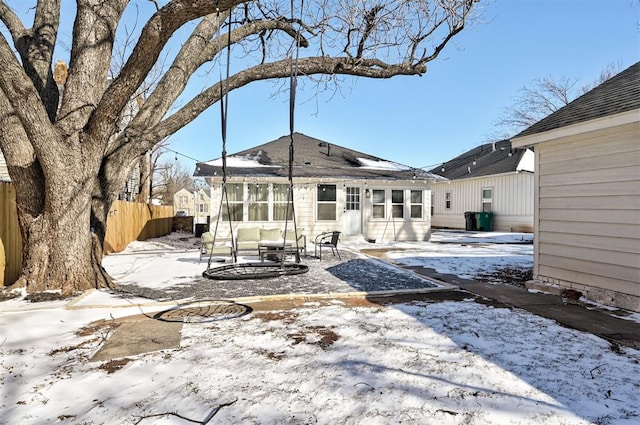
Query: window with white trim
point(280, 197)
point(487, 199)
point(416, 203)
point(236, 202)
point(326, 202)
point(379, 203)
point(258, 202)
point(433, 202)
point(397, 203)
point(447, 200)
point(352, 201)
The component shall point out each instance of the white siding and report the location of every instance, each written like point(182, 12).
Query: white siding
point(588, 221)
point(305, 210)
point(512, 206)
point(397, 229)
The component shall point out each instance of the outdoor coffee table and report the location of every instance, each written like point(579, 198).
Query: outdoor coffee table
point(274, 251)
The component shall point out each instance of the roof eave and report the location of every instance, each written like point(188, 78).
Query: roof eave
point(601, 123)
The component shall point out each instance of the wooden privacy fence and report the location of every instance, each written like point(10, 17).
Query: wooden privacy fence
point(127, 222)
point(10, 239)
point(130, 221)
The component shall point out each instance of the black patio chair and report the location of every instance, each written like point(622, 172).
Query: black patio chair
point(327, 240)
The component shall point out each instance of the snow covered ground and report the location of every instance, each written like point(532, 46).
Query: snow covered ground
point(325, 362)
point(466, 254)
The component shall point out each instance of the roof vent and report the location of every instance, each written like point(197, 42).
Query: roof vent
point(328, 145)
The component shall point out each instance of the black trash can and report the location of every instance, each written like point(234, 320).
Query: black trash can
point(201, 228)
point(470, 220)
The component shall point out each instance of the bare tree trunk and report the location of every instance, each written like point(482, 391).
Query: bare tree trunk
point(63, 254)
point(60, 250)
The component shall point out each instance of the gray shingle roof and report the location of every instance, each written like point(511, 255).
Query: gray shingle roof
point(620, 93)
point(490, 158)
point(313, 158)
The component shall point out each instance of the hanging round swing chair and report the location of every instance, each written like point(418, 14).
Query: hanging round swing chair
point(246, 271)
point(255, 270)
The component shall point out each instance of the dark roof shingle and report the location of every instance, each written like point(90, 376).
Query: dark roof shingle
point(484, 160)
point(312, 158)
point(618, 94)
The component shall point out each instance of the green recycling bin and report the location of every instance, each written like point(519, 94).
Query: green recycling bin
point(485, 221)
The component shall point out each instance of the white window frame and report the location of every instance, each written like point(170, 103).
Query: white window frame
point(242, 202)
point(260, 203)
point(395, 204)
point(433, 203)
point(273, 203)
point(383, 203)
point(487, 200)
point(416, 204)
point(353, 201)
point(333, 202)
point(447, 200)
point(405, 207)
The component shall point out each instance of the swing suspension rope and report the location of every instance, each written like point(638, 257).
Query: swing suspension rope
point(224, 105)
point(293, 82)
point(237, 271)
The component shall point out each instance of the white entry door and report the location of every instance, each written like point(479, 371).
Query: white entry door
point(352, 217)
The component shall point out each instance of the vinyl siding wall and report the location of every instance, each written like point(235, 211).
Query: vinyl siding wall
point(512, 203)
point(397, 229)
point(588, 221)
point(305, 210)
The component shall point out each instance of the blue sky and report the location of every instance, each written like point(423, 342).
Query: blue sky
point(421, 121)
point(427, 120)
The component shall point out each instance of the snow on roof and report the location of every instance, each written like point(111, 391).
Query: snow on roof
point(373, 164)
point(245, 161)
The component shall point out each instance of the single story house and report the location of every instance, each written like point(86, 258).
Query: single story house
point(493, 177)
point(587, 188)
point(334, 189)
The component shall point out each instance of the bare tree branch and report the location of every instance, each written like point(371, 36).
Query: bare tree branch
point(544, 96)
point(12, 22)
point(306, 66)
point(152, 40)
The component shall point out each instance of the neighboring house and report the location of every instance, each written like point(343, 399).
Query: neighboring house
point(184, 203)
point(334, 188)
point(196, 204)
point(492, 177)
point(587, 218)
point(202, 206)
